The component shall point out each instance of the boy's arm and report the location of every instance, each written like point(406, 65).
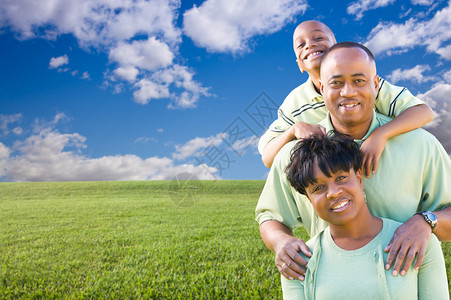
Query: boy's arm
point(412, 118)
point(297, 131)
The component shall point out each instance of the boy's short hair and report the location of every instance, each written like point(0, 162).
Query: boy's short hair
point(332, 152)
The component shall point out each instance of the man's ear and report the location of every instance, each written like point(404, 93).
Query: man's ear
point(321, 87)
point(376, 82)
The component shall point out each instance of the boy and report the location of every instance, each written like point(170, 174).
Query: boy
point(304, 106)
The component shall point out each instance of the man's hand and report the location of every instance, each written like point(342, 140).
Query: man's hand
point(302, 130)
point(288, 260)
point(410, 239)
point(372, 149)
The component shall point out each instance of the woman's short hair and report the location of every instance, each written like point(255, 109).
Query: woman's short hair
point(332, 152)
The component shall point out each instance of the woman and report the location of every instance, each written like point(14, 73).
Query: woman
point(348, 257)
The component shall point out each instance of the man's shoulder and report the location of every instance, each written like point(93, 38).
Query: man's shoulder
point(283, 157)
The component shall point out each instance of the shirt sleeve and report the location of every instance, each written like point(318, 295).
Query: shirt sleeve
point(276, 201)
point(283, 122)
point(432, 282)
point(436, 193)
point(392, 100)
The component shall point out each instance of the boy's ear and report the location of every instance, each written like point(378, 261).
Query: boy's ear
point(299, 66)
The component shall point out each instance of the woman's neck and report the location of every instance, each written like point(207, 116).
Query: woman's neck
point(356, 234)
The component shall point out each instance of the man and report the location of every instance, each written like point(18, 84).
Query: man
point(413, 174)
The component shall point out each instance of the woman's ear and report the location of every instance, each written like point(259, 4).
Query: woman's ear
point(359, 176)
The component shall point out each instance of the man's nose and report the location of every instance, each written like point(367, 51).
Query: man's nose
point(348, 90)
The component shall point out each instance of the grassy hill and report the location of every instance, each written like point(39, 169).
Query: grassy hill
point(119, 240)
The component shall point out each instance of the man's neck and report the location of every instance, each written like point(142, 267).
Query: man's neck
point(357, 132)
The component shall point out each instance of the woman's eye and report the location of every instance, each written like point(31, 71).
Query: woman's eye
point(317, 188)
point(340, 178)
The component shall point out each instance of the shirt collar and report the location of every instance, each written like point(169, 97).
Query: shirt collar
point(311, 91)
point(327, 123)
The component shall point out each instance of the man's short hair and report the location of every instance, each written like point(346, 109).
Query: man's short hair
point(332, 152)
point(342, 45)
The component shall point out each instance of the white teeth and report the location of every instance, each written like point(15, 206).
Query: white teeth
point(341, 204)
point(349, 105)
point(311, 54)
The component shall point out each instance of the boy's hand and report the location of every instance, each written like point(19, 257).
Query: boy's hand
point(372, 149)
point(302, 130)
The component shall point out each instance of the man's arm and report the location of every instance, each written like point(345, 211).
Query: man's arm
point(279, 238)
point(412, 118)
point(411, 239)
point(297, 131)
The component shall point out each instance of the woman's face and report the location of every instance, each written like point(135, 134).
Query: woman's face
point(337, 199)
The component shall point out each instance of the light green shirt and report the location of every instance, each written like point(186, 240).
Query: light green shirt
point(413, 175)
point(304, 104)
point(334, 273)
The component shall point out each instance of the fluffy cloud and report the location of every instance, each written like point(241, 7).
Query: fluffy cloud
point(227, 25)
point(140, 37)
point(148, 54)
point(195, 146)
point(438, 98)
point(359, 7)
point(415, 74)
point(175, 82)
point(434, 34)
point(6, 120)
point(53, 156)
point(56, 62)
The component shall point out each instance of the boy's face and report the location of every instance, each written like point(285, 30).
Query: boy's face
point(310, 40)
point(337, 199)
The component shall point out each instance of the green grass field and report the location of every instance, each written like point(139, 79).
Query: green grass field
point(135, 240)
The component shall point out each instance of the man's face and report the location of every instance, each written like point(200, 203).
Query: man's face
point(349, 85)
point(310, 40)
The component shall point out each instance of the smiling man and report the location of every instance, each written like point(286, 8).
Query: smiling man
point(413, 175)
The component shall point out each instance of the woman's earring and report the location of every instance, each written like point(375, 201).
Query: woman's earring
point(364, 195)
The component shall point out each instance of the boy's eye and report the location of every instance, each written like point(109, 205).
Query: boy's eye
point(301, 45)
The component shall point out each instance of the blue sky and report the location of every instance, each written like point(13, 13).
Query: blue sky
point(146, 90)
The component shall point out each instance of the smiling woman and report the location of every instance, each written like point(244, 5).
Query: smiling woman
point(327, 170)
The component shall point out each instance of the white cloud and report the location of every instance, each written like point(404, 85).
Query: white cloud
point(422, 2)
point(56, 62)
point(434, 34)
point(415, 74)
point(359, 7)
point(447, 77)
point(185, 90)
point(5, 120)
point(140, 37)
point(195, 146)
point(98, 23)
point(242, 145)
point(127, 73)
point(438, 98)
point(53, 156)
point(85, 75)
point(149, 55)
point(228, 25)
